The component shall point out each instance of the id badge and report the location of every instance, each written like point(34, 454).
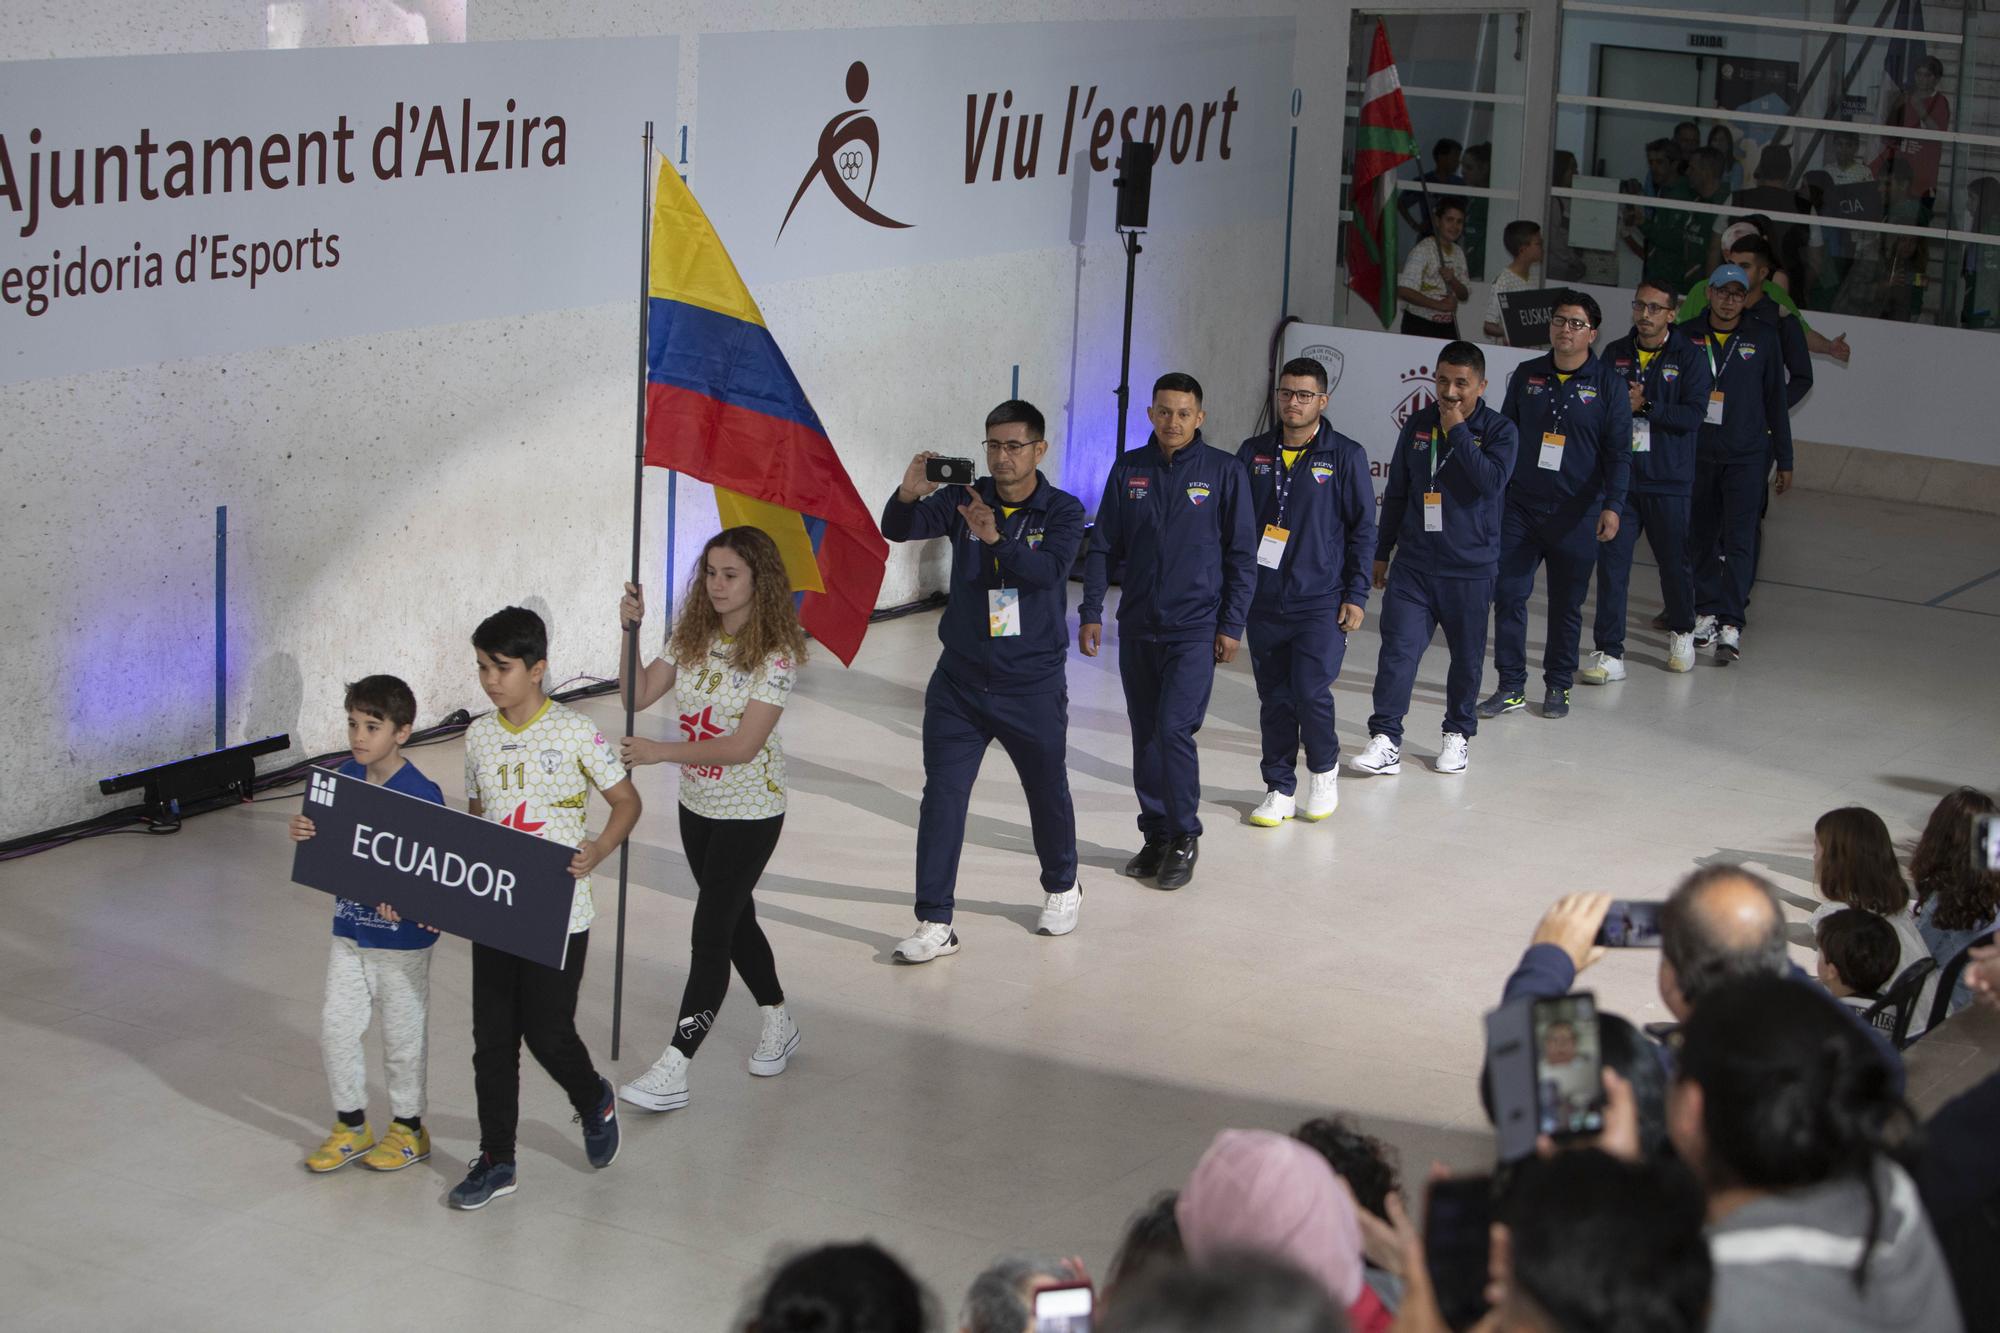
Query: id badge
point(1272, 548)
point(1714, 416)
point(1433, 511)
point(1003, 613)
point(1642, 436)
point(1552, 452)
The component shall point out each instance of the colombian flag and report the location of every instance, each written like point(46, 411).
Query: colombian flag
point(723, 407)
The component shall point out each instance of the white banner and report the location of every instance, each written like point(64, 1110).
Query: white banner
point(830, 152)
point(173, 206)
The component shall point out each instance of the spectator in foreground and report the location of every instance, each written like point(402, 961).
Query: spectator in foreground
point(1367, 1167)
point(1956, 904)
point(1234, 1293)
point(853, 1288)
point(1854, 865)
point(1002, 1299)
point(1857, 956)
point(1152, 1243)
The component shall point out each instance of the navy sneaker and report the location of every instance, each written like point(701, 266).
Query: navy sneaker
point(1502, 700)
point(1555, 703)
point(600, 1129)
point(485, 1182)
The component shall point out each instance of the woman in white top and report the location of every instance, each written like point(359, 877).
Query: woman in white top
point(1432, 280)
point(735, 649)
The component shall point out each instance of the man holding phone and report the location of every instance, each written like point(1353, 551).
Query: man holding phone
point(1005, 631)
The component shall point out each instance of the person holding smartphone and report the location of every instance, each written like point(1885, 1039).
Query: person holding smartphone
point(1005, 631)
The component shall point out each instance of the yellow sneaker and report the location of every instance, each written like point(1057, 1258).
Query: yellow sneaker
point(341, 1147)
point(400, 1147)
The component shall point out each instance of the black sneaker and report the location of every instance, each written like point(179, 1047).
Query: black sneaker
point(485, 1182)
point(1147, 863)
point(600, 1129)
point(1181, 856)
point(1501, 701)
point(1555, 703)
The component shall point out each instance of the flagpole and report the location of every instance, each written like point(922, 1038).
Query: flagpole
point(631, 672)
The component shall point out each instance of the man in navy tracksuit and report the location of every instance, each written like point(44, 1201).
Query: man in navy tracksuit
point(1574, 416)
point(1746, 426)
point(1753, 255)
point(1005, 630)
point(1441, 516)
point(1176, 512)
point(1315, 510)
point(1669, 385)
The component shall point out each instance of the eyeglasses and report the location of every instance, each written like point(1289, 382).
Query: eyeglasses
point(1564, 322)
point(1299, 395)
point(1009, 447)
point(1649, 308)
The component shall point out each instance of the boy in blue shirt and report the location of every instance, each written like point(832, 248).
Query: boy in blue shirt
point(378, 961)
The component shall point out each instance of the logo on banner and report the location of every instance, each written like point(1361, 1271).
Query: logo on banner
point(322, 789)
point(1331, 358)
point(1197, 492)
point(840, 160)
point(1420, 394)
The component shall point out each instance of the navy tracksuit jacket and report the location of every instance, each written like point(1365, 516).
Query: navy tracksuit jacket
point(1326, 503)
point(1011, 689)
point(1182, 527)
point(1732, 460)
point(1552, 513)
point(1676, 386)
point(1440, 579)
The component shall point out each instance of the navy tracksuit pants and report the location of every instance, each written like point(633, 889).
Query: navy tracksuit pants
point(1295, 660)
point(1664, 519)
point(1569, 546)
point(1722, 533)
point(1166, 693)
point(959, 723)
point(1414, 606)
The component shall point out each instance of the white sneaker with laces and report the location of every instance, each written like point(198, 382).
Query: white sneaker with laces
point(664, 1087)
point(1274, 810)
point(1728, 644)
point(1704, 631)
point(1382, 756)
point(1680, 652)
point(1322, 796)
point(1601, 668)
point(775, 1046)
point(1060, 911)
point(933, 939)
point(1452, 758)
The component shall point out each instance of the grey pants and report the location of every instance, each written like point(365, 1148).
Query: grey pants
point(358, 981)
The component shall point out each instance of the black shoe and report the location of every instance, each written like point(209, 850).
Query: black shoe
point(1555, 703)
point(600, 1128)
point(1179, 869)
point(1147, 863)
point(1502, 700)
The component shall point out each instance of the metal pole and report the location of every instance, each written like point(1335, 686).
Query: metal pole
point(1132, 248)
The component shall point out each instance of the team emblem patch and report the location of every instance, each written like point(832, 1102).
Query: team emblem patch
point(1033, 539)
point(1321, 471)
point(1749, 350)
point(1138, 486)
point(1670, 373)
point(1586, 394)
point(551, 760)
point(1197, 492)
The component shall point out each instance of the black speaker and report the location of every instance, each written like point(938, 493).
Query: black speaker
point(1134, 183)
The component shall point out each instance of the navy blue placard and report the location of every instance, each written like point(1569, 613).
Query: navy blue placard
point(1524, 315)
point(494, 885)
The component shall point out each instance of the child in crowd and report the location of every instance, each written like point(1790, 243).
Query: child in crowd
point(530, 764)
point(379, 961)
point(1956, 904)
point(1857, 956)
point(1854, 864)
point(1523, 240)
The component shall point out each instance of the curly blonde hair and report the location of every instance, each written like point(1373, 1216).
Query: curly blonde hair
point(773, 626)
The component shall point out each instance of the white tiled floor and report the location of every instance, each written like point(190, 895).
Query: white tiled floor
point(159, 998)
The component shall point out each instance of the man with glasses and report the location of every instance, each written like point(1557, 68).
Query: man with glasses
point(1014, 539)
point(1745, 428)
point(1668, 385)
point(1176, 514)
point(1315, 508)
point(1574, 416)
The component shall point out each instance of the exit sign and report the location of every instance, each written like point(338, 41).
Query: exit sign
point(1708, 41)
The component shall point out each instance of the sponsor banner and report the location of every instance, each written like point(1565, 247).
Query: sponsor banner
point(494, 885)
point(160, 207)
point(830, 152)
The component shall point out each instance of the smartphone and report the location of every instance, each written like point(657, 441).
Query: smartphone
point(1986, 842)
point(1631, 925)
point(1064, 1309)
point(1458, 1219)
point(948, 471)
point(1569, 1067)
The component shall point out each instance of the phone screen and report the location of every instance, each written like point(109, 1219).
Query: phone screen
point(1569, 1066)
point(1986, 842)
point(1631, 925)
point(1457, 1220)
point(1064, 1309)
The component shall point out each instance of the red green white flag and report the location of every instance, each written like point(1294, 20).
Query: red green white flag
point(1383, 141)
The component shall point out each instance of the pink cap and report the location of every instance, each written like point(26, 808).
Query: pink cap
point(1262, 1192)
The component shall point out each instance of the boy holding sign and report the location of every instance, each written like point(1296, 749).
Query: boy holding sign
point(378, 962)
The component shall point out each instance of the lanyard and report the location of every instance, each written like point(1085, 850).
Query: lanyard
point(1564, 395)
point(1436, 462)
point(1020, 521)
point(1285, 474)
point(1714, 365)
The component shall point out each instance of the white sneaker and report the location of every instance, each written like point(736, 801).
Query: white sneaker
point(774, 1048)
point(1704, 631)
point(664, 1087)
point(1323, 796)
point(1275, 810)
point(933, 939)
point(1601, 668)
point(1728, 644)
point(1452, 758)
point(1059, 911)
point(1680, 652)
point(1382, 756)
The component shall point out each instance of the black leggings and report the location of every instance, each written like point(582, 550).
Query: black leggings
point(726, 856)
point(515, 1001)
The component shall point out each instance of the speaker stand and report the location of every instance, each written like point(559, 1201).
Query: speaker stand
point(1132, 249)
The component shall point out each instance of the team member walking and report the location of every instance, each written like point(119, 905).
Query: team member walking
point(1574, 419)
point(1315, 508)
point(1176, 514)
point(1441, 517)
point(1014, 539)
point(1745, 428)
point(1668, 386)
point(731, 660)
